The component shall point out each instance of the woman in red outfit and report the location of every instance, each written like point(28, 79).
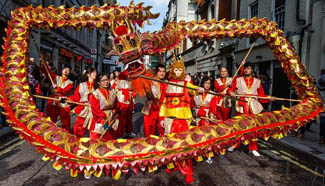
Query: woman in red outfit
point(61, 88)
point(112, 80)
point(81, 95)
point(221, 85)
point(103, 105)
point(203, 102)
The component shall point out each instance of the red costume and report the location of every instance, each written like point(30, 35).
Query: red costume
point(202, 107)
point(53, 108)
point(176, 111)
point(112, 84)
point(103, 104)
point(221, 86)
point(176, 108)
point(252, 87)
point(81, 95)
point(215, 110)
point(124, 96)
point(151, 111)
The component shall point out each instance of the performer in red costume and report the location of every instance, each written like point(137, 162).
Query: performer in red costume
point(175, 110)
point(61, 88)
point(81, 95)
point(103, 104)
point(203, 104)
point(250, 86)
point(151, 107)
point(221, 85)
point(112, 80)
point(124, 96)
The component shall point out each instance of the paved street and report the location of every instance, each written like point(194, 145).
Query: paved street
point(22, 166)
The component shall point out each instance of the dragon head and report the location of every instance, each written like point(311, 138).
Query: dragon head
point(129, 45)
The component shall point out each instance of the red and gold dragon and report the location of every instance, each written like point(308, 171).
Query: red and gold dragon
point(144, 154)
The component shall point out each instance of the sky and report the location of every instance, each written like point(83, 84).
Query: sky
point(158, 6)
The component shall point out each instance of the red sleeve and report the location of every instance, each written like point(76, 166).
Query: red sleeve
point(123, 75)
point(65, 91)
point(114, 85)
point(95, 108)
point(117, 104)
point(233, 86)
point(45, 68)
point(218, 88)
point(76, 95)
point(214, 109)
point(260, 92)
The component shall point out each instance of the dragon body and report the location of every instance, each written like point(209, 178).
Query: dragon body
point(145, 154)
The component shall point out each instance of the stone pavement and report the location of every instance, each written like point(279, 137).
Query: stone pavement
point(309, 144)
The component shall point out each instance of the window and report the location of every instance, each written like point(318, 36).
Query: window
point(253, 9)
point(192, 6)
point(253, 12)
point(279, 13)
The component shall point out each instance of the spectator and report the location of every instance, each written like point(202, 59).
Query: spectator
point(265, 83)
point(321, 88)
point(117, 73)
point(45, 84)
point(188, 78)
point(201, 78)
point(196, 79)
point(33, 76)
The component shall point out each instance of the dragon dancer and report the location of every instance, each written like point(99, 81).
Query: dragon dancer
point(151, 107)
point(175, 110)
point(61, 88)
point(221, 85)
point(247, 85)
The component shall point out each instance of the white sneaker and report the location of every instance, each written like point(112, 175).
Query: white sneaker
point(132, 135)
point(230, 149)
point(209, 161)
point(87, 176)
point(255, 153)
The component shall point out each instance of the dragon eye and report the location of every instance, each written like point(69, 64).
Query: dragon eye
point(120, 48)
point(133, 42)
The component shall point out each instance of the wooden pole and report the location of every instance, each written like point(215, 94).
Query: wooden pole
point(57, 99)
point(177, 85)
point(42, 60)
point(275, 98)
point(110, 123)
point(244, 60)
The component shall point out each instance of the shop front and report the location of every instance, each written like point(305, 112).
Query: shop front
point(65, 58)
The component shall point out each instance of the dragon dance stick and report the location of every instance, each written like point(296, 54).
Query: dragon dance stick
point(110, 124)
point(42, 60)
point(275, 98)
point(243, 62)
point(56, 99)
point(177, 85)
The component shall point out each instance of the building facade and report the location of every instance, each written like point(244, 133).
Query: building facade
point(78, 49)
point(303, 23)
point(203, 57)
